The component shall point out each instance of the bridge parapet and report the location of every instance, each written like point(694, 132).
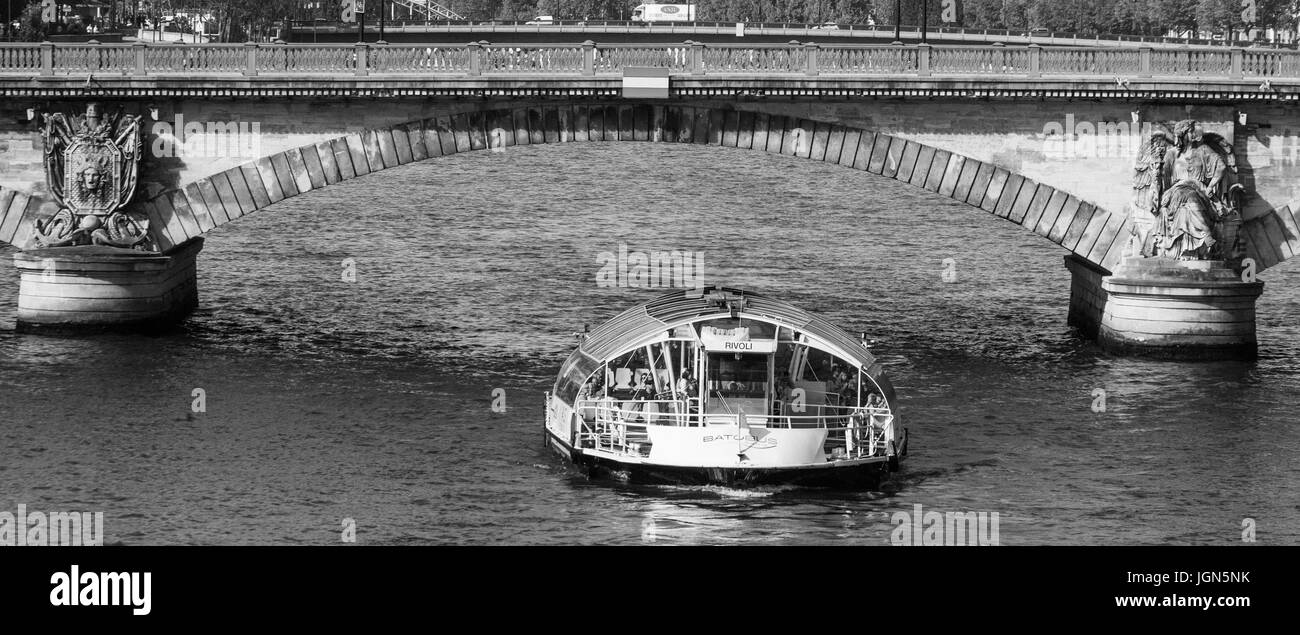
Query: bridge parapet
point(313, 31)
point(201, 61)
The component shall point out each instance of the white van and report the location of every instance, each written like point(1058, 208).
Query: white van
point(542, 19)
point(663, 13)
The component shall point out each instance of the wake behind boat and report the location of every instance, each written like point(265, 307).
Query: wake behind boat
point(725, 387)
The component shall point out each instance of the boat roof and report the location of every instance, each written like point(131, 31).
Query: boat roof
point(650, 322)
point(646, 322)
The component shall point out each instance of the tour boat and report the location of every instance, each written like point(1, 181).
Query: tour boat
point(723, 386)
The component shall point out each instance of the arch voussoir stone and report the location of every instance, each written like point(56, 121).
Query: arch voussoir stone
point(13, 205)
point(209, 202)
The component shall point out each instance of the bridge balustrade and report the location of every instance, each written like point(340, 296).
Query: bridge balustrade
point(588, 59)
point(20, 58)
point(419, 59)
point(1092, 62)
point(1270, 64)
point(306, 59)
point(75, 59)
point(519, 59)
point(1194, 63)
point(835, 60)
point(996, 60)
point(1009, 36)
point(613, 59)
point(229, 58)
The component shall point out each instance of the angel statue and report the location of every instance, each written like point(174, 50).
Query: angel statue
point(1207, 158)
point(1151, 174)
point(1184, 230)
point(1184, 190)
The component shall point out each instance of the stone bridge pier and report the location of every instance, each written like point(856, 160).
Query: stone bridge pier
point(1166, 308)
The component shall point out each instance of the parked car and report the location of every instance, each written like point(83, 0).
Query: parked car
point(827, 26)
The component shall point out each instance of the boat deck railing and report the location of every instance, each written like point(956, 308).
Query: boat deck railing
point(623, 427)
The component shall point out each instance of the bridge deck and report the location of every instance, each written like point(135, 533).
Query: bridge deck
point(589, 58)
point(697, 70)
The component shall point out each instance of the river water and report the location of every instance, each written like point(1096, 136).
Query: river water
point(371, 400)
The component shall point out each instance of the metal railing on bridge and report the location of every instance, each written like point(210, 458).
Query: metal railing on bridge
point(428, 9)
point(199, 61)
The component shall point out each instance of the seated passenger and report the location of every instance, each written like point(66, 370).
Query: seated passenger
point(686, 386)
point(644, 390)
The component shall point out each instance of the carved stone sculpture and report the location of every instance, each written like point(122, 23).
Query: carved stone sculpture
point(91, 169)
point(1186, 199)
point(1184, 228)
point(1151, 174)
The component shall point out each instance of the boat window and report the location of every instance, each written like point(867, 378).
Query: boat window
point(737, 375)
point(627, 374)
point(577, 371)
point(649, 372)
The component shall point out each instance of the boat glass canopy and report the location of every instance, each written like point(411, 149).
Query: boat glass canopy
point(731, 333)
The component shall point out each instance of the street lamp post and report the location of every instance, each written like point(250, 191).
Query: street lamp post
point(925, 19)
point(898, 20)
point(381, 21)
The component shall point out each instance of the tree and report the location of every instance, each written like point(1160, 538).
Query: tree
point(1176, 15)
point(1217, 15)
point(30, 27)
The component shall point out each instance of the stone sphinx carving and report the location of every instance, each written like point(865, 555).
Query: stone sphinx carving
point(1186, 202)
point(91, 167)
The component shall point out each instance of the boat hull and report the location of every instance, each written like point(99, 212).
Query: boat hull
point(848, 475)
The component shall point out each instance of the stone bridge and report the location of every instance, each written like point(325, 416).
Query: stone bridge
point(1045, 138)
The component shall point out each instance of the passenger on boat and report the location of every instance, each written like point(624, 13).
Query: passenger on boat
point(636, 409)
point(686, 385)
point(732, 385)
point(844, 387)
point(784, 392)
point(595, 386)
point(645, 389)
point(848, 392)
point(835, 385)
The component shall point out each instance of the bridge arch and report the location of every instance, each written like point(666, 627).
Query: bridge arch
point(193, 209)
